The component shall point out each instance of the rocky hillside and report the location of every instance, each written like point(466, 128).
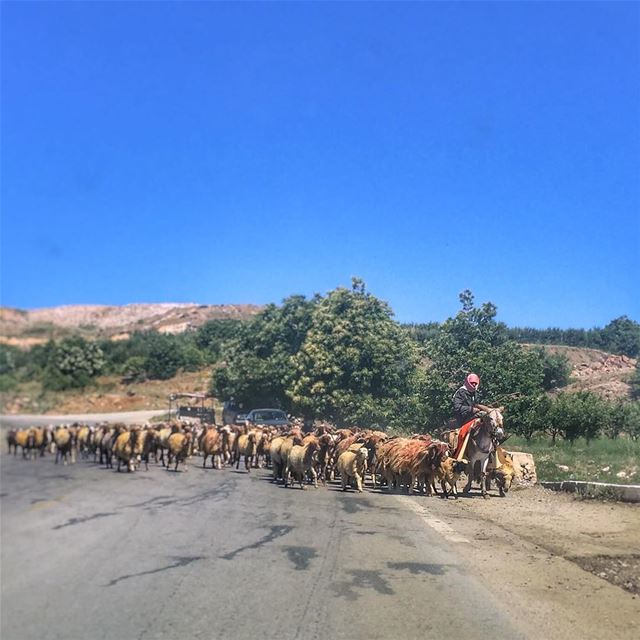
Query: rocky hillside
point(25, 328)
point(597, 371)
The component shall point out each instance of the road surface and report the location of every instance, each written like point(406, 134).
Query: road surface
point(89, 553)
point(32, 420)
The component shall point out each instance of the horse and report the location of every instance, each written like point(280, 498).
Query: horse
point(482, 443)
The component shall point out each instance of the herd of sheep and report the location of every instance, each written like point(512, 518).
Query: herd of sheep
point(417, 463)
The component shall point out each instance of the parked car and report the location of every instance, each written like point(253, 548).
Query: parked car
point(269, 417)
point(240, 419)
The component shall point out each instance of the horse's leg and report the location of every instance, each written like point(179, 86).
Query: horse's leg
point(483, 478)
point(469, 472)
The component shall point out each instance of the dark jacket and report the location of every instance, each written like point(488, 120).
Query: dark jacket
point(463, 401)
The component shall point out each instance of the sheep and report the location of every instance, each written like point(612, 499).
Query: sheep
point(300, 462)
point(325, 455)
point(11, 441)
point(351, 465)
point(448, 473)
point(64, 439)
point(40, 441)
point(503, 475)
point(106, 445)
point(228, 440)
point(164, 433)
point(276, 459)
point(124, 448)
point(247, 446)
point(211, 445)
point(24, 439)
point(83, 436)
point(179, 446)
point(294, 438)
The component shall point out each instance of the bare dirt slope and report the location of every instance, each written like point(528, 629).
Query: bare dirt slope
point(593, 370)
point(25, 328)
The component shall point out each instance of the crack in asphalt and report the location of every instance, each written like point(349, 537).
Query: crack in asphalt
point(73, 521)
point(179, 562)
point(276, 532)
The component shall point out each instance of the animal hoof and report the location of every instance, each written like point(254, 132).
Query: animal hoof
point(486, 496)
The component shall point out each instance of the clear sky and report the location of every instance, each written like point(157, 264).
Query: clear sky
point(239, 153)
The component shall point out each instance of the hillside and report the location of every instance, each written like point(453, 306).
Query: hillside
point(26, 328)
point(593, 370)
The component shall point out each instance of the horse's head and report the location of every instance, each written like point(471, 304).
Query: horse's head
point(494, 423)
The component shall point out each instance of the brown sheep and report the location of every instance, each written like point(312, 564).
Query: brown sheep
point(503, 475)
point(247, 446)
point(11, 441)
point(24, 438)
point(352, 465)
point(211, 445)
point(179, 446)
point(83, 435)
point(276, 459)
point(300, 462)
point(294, 438)
point(124, 449)
point(64, 440)
point(448, 473)
point(228, 440)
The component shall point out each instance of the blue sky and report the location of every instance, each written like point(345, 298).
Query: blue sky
point(239, 153)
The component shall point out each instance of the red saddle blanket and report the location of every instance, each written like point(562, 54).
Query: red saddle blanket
point(462, 434)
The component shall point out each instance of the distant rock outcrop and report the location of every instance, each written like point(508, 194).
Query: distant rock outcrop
point(26, 328)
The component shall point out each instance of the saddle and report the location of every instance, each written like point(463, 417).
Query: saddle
point(463, 438)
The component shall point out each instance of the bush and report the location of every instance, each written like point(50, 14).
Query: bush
point(555, 370)
point(134, 370)
point(72, 364)
point(581, 414)
point(7, 382)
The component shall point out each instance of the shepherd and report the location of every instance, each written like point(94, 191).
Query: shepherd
point(465, 406)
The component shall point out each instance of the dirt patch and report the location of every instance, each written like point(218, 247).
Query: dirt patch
point(597, 371)
point(601, 537)
point(623, 571)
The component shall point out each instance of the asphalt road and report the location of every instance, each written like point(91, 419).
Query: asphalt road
point(89, 553)
point(32, 420)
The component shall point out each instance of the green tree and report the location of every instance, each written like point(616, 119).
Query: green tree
point(556, 370)
point(73, 363)
point(256, 366)
point(631, 419)
point(581, 414)
point(134, 370)
point(356, 366)
point(622, 336)
point(212, 336)
point(474, 341)
point(164, 358)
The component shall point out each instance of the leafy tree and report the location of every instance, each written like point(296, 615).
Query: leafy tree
point(474, 341)
point(72, 364)
point(212, 336)
point(631, 419)
point(556, 370)
point(135, 370)
point(356, 366)
point(256, 367)
point(164, 358)
point(8, 359)
point(532, 413)
point(581, 414)
point(622, 336)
